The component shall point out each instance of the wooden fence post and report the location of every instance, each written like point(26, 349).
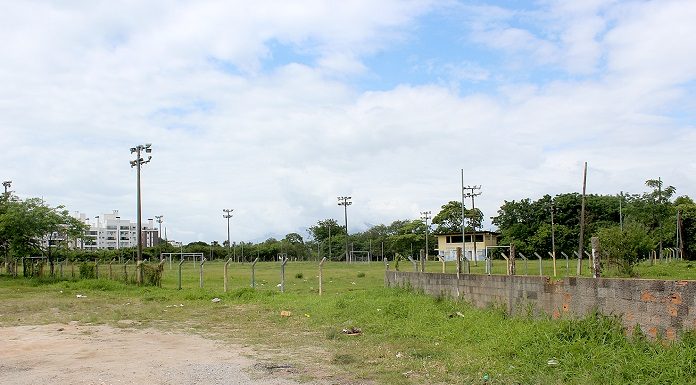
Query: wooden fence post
point(321, 274)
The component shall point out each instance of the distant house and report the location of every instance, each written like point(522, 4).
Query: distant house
point(447, 245)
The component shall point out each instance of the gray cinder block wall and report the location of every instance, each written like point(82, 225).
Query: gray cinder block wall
point(659, 307)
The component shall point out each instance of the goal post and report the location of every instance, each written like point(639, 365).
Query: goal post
point(360, 256)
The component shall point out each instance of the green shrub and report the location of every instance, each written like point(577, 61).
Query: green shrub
point(299, 275)
point(361, 275)
point(152, 275)
point(87, 271)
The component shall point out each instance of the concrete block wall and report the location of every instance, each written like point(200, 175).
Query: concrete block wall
point(658, 307)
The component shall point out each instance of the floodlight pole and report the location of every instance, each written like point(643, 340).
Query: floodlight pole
point(425, 215)
point(345, 202)
point(159, 233)
point(472, 195)
point(137, 163)
point(228, 214)
point(6, 184)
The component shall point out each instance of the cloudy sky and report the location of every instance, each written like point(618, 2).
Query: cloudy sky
point(275, 108)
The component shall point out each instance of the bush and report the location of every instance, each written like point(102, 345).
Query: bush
point(152, 275)
point(87, 271)
point(299, 275)
point(361, 275)
point(624, 248)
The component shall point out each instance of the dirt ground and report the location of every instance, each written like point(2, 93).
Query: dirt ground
point(85, 354)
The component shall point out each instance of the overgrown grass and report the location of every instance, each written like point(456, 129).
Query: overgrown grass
point(407, 338)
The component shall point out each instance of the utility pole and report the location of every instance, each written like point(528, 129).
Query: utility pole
point(345, 202)
point(471, 194)
point(581, 243)
point(459, 257)
point(659, 197)
point(329, 223)
point(138, 162)
point(621, 210)
point(553, 238)
point(227, 215)
point(425, 215)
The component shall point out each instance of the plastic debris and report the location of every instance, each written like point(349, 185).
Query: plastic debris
point(215, 300)
point(552, 362)
point(81, 296)
point(352, 331)
point(285, 313)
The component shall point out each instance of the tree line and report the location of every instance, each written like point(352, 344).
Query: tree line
point(630, 225)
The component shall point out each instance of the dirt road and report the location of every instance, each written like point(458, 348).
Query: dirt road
point(83, 354)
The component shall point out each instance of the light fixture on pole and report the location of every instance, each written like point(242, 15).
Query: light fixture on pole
point(137, 163)
point(227, 215)
point(345, 202)
point(159, 232)
point(6, 184)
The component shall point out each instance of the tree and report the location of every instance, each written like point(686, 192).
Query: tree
point(323, 228)
point(449, 219)
point(30, 227)
point(624, 248)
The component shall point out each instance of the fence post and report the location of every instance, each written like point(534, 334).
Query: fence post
point(526, 267)
point(179, 280)
point(512, 270)
point(139, 272)
point(253, 273)
point(160, 270)
point(282, 274)
point(567, 263)
point(110, 269)
point(96, 269)
point(225, 280)
point(414, 263)
point(321, 276)
point(125, 270)
point(596, 252)
point(422, 260)
point(72, 270)
point(386, 263)
point(442, 261)
point(541, 268)
point(200, 279)
point(60, 268)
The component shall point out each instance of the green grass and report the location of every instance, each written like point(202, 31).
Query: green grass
point(407, 338)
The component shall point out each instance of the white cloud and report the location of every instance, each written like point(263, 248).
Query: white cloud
point(83, 84)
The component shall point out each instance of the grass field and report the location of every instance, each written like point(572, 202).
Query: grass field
point(407, 338)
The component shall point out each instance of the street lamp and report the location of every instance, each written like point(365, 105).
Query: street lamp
point(227, 215)
point(138, 162)
point(345, 202)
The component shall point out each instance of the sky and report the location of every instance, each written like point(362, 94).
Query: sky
point(274, 109)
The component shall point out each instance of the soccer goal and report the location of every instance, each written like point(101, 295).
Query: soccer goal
point(360, 256)
point(195, 257)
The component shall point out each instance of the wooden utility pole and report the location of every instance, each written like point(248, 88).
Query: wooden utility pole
point(680, 234)
point(581, 243)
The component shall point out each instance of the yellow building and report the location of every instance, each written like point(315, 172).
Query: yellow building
point(447, 245)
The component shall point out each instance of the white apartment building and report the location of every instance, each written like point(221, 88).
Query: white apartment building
point(110, 231)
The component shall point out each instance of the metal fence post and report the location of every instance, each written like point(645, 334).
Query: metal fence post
point(225, 280)
point(282, 275)
point(567, 263)
point(442, 260)
point(200, 280)
point(414, 263)
point(321, 276)
point(253, 273)
point(541, 270)
point(386, 263)
point(110, 269)
point(526, 267)
point(125, 270)
point(96, 268)
point(179, 281)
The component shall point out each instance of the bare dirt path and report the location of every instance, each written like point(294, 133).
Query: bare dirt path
point(85, 354)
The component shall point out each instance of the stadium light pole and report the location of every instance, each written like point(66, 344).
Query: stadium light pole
point(159, 233)
point(6, 184)
point(228, 214)
point(425, 215)
point(137, 163)
point(345, 202)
